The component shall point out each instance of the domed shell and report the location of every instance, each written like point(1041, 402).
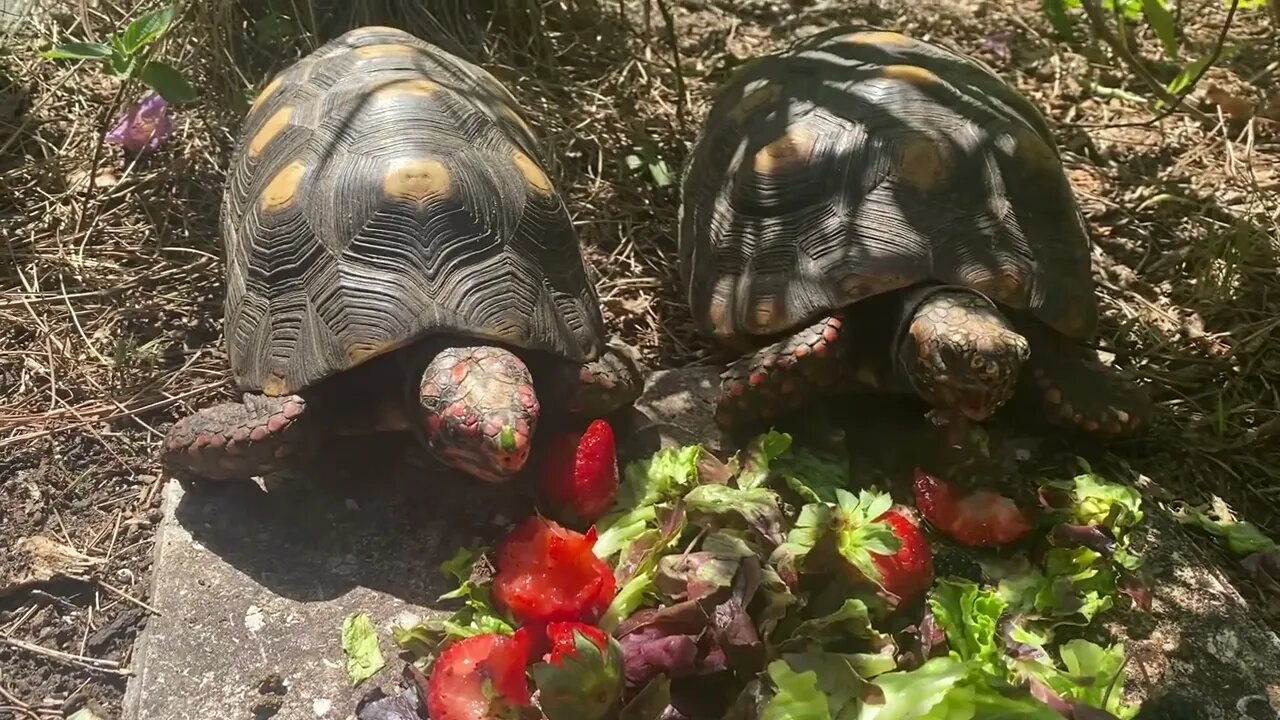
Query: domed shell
point(384, 189)
point(860, 161)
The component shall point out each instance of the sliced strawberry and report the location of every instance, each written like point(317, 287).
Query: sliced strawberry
point(583, 676)
point(548, 573)
point(480, 678)
point(908, 573)
point(564, 643)
point(979, 518)
point(579, 477)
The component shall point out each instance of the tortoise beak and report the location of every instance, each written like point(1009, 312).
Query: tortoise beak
point(977, 406)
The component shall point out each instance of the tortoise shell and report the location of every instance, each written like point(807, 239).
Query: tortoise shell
point(860, 161)
point(384, 189)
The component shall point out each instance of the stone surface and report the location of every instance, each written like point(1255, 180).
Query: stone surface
point(255, 584)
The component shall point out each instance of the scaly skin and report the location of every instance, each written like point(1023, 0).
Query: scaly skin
point(962, 355)
point(1071, 388)
point(233, 441)
point(599, 387)
point(480, 410)
point(784, 376)
point(479, 414)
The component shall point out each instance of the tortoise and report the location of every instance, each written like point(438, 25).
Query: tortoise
point(397, 259)
point(867, 212)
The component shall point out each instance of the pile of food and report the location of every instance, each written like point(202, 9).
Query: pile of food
point(777, 586)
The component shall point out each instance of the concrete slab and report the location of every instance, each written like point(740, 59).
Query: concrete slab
point(254, 586)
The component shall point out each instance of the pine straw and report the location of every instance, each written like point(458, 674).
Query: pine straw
point(111, 308)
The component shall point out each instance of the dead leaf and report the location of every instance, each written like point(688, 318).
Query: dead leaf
point(78, 180)
point(45, 559)
point(1234, 106)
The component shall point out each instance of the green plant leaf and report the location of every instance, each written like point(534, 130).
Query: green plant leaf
point(167, 81)
point(797, 695)
point(360, 645)
point(1056, 12)
point(970, 616)
point(148, 28)
point(78, 51)
point(1162, 23)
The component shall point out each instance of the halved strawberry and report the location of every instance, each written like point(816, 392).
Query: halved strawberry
point(480, 678)
point(582, 677)
point(579, 476)
point(564, 643)
point(548, 573)
point(979, 518)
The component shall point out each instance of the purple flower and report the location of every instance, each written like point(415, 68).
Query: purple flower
point(998, 44)
point(145, 127)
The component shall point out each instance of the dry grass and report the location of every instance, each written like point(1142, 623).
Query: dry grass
point(110, 303)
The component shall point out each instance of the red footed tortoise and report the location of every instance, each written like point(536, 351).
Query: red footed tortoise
point(397, 259)
point(868, 212)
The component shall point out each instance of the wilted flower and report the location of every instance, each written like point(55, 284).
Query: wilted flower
point(144, 127)
point(998, 44)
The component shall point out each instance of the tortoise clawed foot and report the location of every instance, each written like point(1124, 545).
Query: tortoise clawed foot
point(236, 441)
point(1091, 398)
point(612, 381)
point(757, 389)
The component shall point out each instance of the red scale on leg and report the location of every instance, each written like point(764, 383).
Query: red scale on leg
point(784, 375)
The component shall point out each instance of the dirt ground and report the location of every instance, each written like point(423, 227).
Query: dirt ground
point(110, 315)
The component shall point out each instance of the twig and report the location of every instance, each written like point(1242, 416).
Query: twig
point(117, 592)
point(672, 37)
point(98, 128)
point(109, 667)
point(1094, 12)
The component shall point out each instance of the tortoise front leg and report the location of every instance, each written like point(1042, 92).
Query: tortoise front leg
point(810, 364)
point(234, 441)
point(602, 386)
point(1071, 388)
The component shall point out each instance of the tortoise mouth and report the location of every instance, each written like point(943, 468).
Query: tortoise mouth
point(979, 405)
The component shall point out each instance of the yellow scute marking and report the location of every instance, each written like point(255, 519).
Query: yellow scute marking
point(418, 180)
point(876, 37)
point(913, 74)
point(533, 174)
point(283, 188)
point(274, 386)
point(788, 152)
point(270, 129)
point(763, 312)
point(267, 92)
point(396, 88)
point(754, 99)
point(383, 50)
point(358, 352)
point(922, 164)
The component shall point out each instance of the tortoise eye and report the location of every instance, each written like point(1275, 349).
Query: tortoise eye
point(977, 363)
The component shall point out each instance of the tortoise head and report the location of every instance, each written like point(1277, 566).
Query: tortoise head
point(479, 410)
point(961, 354)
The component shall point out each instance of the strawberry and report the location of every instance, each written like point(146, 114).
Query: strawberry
point(907, 573)
point(978, 519)
point(867, 536)
point(564, 642)
point(582, 677)
point(481, 677)
point(548, 573)
point(579, 476)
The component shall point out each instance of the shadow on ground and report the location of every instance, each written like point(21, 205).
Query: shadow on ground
point(380, 522)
